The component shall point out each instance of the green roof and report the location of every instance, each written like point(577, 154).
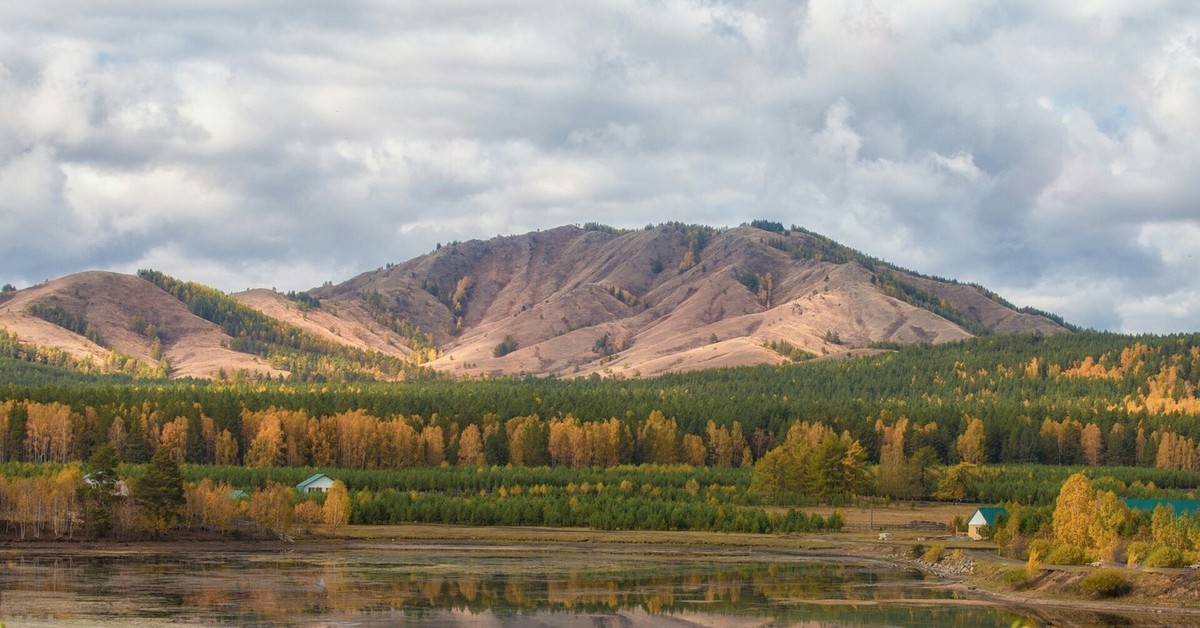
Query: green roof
point(1181, 506)
point(312, 478)
point(989, 514)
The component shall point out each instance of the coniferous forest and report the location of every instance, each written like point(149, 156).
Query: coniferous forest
point(993, 419)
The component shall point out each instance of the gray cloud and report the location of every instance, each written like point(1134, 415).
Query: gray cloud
point(1046, 151)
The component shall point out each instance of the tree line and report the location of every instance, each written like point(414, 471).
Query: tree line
point(1089, 521)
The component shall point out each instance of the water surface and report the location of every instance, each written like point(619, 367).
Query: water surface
point(381, 584)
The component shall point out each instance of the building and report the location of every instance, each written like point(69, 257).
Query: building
point(1180, 506)
point(984, 516)
point(318, 482)
point(118, 488)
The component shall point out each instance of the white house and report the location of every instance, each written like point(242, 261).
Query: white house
point(984, 516)
point(316, 483)
point(119, 487)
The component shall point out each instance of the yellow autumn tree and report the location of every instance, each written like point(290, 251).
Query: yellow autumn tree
point(694, 451)
point(266, 448)
point(470, 447)
point(337, 506)
point(434, 440)
point(1091, 439)
point(1109, 514)
point(322, 436)
point(970, 444)
point(892, 468)
point(1073, 511)
point(173, 438)
point(271, 507)
point(658, 439)
point(48, 436)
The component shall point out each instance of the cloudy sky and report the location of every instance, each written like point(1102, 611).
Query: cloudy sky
point(1048, 150)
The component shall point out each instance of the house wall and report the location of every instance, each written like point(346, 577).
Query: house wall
point(320, 485)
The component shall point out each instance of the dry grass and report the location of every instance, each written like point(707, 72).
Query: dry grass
point(896, 514)
point(550, 291)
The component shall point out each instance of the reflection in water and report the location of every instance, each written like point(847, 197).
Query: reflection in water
point(465, 585)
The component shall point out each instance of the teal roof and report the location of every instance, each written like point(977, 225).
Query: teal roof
point(1181, 506)
point(990, 513)
point(312, 478)
point(237, 494)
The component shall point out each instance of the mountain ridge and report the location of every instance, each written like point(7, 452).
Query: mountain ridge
point(568, 301)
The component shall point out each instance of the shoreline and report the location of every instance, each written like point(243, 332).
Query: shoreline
point(975, 576)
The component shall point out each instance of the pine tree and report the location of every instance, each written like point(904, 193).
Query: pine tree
point(160, 492)
point(99, 491)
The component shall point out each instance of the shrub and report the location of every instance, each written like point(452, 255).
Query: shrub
point(917, 551)
point(934, 553)
point(1106, 583)
point(506, 346)
point(1161, 556)
point(1033, 565)
point(1137, 552)
point(1067, 554)
point(1014, 577)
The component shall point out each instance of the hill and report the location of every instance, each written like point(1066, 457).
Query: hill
point(577, 301)
point(570, 301)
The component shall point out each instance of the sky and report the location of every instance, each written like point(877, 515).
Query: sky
point(1047, 150)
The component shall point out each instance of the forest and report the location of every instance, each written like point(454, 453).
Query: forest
point(992, 419)
point(1088, 398)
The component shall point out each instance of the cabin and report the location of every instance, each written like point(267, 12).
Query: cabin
point(1181, 506)
point(316, 483)
point(984, 516)
point(119, 487)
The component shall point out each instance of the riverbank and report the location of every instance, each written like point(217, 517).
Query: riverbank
point(970, 569)
point(967, 566)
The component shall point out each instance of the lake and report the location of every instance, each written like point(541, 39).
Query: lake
point(465, 584)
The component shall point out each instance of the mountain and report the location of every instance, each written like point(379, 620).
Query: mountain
point(569, 301)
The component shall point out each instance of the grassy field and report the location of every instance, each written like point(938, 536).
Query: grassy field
point(898, 513)
point(863, 525)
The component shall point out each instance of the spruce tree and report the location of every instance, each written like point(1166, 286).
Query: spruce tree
point(160, 492)
point(99, 491)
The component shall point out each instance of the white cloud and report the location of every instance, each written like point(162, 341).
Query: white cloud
point(1046, 150)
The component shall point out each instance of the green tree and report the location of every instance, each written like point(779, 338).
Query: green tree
point(958, 481)
point(159, 492)
point(98, 493)
point(922, 470)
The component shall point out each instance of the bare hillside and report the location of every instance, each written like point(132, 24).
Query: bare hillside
point(571, 301)
point(567, 301)
point(117, 306)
